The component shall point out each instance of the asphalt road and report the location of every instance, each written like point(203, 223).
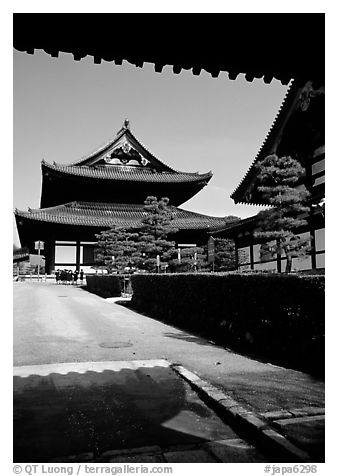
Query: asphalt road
point(59, 323)
point(79, 386)
point(58, 327)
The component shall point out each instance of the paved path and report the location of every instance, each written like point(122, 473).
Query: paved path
point(58, 324)
point(66, 324)
point(102, 409)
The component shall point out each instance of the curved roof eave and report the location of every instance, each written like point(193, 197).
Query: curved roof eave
point(106, 215)
point(121, 175)
point(278, 123)
point(237, 224)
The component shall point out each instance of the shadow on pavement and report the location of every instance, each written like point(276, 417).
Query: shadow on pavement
point(205, 337)
point(65, 414)
point(274, 390)
point(188, 338)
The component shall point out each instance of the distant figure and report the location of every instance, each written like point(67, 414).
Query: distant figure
point(69, 276)
point(81, 277)
point(57, 276)
point(75, 277)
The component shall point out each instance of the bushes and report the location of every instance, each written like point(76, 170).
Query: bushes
point(280, 317)
point(105, 286)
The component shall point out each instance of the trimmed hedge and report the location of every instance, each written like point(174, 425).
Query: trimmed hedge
point(104, 286)
point(279, 317)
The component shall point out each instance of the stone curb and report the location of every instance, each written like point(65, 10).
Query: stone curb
point(294, 413)
point(256, 425)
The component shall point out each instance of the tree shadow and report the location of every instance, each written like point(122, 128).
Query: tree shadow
point(190, 333)
point(188, 338)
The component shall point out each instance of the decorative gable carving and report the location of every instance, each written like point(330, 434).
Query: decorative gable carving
point(124, 154)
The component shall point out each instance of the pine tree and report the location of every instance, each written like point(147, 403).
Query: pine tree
point(152, 236)
point(225, 254)
point(279, 181)
point(119, 247)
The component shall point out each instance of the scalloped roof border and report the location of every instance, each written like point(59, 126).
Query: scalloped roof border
point(288, 98)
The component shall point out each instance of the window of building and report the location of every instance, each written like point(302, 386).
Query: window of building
point(244, 255)
point(305, 235)
point(269, 265)
point(263, 252)
point(320, 239)
point(256, 252)
point(320, 260)
point(301, 263)
point(318, 167)
point(319, 180)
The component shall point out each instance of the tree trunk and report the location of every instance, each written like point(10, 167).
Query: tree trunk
point(288, 263)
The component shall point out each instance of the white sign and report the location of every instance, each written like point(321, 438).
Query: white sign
point(39, 245)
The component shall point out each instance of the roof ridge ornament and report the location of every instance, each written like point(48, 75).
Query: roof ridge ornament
point(125, 127)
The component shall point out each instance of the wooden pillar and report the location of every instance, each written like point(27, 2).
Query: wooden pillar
point(251, 255)
point(50, 256)
point(78, 255)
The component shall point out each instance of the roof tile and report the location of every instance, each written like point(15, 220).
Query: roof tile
point(118, 214)
point(124, 173)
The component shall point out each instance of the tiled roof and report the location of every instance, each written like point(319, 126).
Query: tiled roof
point(116, 214)
point(245, 224)
point(284, 110)
point(129, 174)
point(123, 134)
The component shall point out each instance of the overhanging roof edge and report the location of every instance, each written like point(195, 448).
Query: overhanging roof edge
point(289, 99)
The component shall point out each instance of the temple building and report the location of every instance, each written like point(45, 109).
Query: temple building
point(298, 131)
point(105, 189)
